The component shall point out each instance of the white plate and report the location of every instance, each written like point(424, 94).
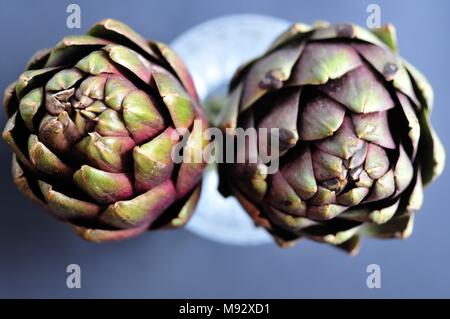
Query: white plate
point(212, 51)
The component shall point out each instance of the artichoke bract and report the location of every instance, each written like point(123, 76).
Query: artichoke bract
point(355, 143)
point(92, 123)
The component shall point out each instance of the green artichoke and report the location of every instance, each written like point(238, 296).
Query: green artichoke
point(355, 143)
point(92, 123)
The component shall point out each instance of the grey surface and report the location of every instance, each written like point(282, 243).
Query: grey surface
point(35, 249)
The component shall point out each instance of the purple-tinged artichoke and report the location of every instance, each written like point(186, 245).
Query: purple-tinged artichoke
point(92, 123)
point(355, 143)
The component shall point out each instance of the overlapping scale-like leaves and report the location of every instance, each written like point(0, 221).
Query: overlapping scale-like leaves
point(92, 123)
point(356, 145)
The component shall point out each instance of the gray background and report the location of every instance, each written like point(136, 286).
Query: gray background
point(35, 249)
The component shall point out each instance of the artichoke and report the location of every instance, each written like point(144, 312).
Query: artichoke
point(355, 143)
point(92, 123)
